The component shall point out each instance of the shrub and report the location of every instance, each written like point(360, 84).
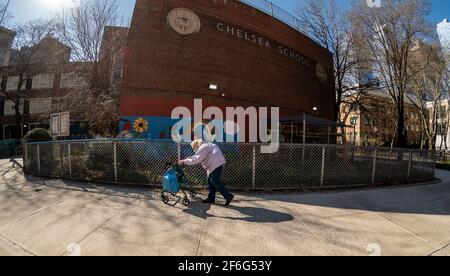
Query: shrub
point(38, 135)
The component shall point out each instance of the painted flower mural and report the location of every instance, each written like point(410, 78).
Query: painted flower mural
point(140, 125)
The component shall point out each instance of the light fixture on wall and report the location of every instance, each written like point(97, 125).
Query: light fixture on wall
point(315, 109)
point(213, 87)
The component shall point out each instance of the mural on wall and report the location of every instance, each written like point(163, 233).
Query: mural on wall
point(145, 127)
point(150, 127)
point(140, 125)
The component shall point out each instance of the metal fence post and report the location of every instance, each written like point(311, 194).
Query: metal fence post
point(322, 174)
point(179, 151)
point(39, 159)
point(434, 160)
point(115, 162)
point(25, 161)
point(69, 149)
point(424, 157)
point(374, 167)
point(254, 167)
point(408, 177)
point(61, 154)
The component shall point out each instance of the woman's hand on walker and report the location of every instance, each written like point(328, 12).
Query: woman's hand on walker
point(181, 162)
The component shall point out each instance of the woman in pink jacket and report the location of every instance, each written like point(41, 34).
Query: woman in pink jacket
point(212, 160)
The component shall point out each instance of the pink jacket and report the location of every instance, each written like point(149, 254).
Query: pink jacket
point(209, 155)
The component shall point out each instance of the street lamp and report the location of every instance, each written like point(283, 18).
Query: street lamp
point(316, 111)
point(213, 87)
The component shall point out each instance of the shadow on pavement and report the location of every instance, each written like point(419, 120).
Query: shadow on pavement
point(250, 214)
point(433, 199)
point(430, 199)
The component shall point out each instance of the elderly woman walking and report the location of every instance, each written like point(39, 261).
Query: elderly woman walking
point(212, 160)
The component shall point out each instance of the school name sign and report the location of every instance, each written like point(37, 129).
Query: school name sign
point(261, 41)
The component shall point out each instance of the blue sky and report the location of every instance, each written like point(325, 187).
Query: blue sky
point(24, 10)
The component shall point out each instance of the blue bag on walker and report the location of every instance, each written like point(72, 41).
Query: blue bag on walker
point(170, 182)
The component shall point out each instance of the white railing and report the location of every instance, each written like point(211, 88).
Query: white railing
point(275, 11)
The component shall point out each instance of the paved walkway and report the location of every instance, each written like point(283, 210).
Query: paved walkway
point(54, 217)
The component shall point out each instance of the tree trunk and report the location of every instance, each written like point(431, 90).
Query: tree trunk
point(344, 134)
point(18, 117)
point(401, 137)
point(18, 128)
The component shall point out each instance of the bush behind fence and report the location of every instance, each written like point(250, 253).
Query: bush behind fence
point(294, 166)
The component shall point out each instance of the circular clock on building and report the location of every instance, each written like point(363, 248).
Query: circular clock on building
point(183, 21)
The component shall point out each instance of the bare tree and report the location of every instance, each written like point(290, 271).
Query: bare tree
point(82, 28)
point(390, 33)
point(430, 87)
point(5, 16)
point(28, 59)
point(327, 23)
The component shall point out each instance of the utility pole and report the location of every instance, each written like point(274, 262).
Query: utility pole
point(4, 12)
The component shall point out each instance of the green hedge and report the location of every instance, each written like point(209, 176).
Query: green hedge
point(38, 135)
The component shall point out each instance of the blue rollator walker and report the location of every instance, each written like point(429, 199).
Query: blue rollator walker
point(174, 181)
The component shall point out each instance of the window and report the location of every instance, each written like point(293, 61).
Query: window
point(29, 83)
point(40, 105)
point(3, 84)
point(354, 121)
point(38, 125)
point(72, 80)
point(9, 108)
point(13, 83)
point(367, 121)
point(43, 81)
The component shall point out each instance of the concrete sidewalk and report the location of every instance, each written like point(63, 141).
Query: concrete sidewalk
point(54, 217)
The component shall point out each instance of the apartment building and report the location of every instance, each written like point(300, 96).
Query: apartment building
point(373, 122)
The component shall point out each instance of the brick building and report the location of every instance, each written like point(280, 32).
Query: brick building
point(6, 40)
point(225, 52)
point(53, 83)
point(46, 82)
point(372, 122)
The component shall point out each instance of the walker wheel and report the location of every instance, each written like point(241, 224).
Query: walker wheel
point(165, 199)
point(174, 194)
point(186, 202)
point(193, 194)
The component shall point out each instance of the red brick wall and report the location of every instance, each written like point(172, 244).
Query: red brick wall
point(161, 63)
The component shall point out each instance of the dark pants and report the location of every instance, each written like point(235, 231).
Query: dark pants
point(215, 184)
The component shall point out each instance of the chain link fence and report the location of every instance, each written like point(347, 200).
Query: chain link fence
point(8, 148)
point(293, 167)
